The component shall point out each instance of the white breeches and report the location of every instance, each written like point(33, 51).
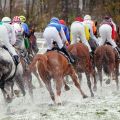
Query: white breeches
point(4, 40)
point(78, 32)
point(106, 35)
point(51, 34)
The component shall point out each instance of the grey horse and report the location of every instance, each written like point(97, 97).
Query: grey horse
point(9, 74)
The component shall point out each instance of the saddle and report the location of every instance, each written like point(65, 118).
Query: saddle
point(61, 51)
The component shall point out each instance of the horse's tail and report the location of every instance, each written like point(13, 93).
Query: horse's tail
point(38, 57)
point(106, 64)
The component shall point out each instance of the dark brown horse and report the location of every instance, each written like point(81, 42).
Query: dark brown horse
point(83, 63)
point(33, 41)
point(105, 58)
point(54, 65)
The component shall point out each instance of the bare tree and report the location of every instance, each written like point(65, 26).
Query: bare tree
point(27, 8)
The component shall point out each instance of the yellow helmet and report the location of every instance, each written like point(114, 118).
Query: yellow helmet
point(22, 18)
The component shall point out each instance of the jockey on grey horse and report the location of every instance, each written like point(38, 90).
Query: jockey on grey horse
point(9, 67)
point(8, 39)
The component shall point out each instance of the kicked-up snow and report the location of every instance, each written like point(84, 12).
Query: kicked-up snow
point(104, 106)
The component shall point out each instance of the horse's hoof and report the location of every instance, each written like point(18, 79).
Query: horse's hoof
point(108, 81)
point(95, 88)
point(92, 95)
point(85, 96)
point(67, 88)
point(59, 104)
point(17, 93)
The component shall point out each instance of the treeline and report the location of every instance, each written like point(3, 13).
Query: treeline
point(40, 11)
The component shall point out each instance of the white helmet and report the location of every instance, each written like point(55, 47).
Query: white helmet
point(87, 17)
point(6, 20)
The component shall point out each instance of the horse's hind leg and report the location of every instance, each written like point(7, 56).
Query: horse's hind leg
point(49, 88)
point(20, 83)
point(37, 76)
point(80, 76)
point(76, 82)
point(116, 74)
point(100, 75)
point(89, 84)
point(95, 81)
point(59, 82)
point(66, 86)
point(28, 79)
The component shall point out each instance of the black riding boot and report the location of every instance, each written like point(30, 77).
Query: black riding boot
point(64, 50)
point(118, 51)
point(91, 55)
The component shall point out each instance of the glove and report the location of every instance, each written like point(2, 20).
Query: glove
point(67, 43)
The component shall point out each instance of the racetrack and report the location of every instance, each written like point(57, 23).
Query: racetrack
point(104, 106)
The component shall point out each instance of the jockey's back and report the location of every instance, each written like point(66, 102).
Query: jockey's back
point(55, 32)
point(78, 32)
point(89, 23)
point(66, 30)
point(109, 22)
point(11, 33)
point(3, 34)
point(25, 28)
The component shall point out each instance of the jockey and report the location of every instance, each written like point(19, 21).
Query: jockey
point(91, 26)
point(66, 30)
point(26, 32)
point(18, 32)
point(16, 22)
point(54, 32)
point(12, 39)
point(87, 33)
point(109, 21)
point(24, 25)
point(78, 31)
point(106, 30)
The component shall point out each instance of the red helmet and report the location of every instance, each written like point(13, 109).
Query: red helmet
point(16, 19)
point(62, 22)
point(79, 19)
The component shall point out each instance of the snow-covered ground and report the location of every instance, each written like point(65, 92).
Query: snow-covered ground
point(104, 106)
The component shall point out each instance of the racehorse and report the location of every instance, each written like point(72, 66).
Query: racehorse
point(33, 41)
point(83, 63)
point(55, 65)
point(106, 59)
point(9, 73)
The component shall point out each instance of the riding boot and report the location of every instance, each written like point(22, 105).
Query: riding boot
point(118, 51)
point(16, 59)
point(64, 50)
point(91, 55)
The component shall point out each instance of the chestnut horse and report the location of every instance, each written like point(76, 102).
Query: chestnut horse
point(83, 63)
point(106, 58)
point(55, 65)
